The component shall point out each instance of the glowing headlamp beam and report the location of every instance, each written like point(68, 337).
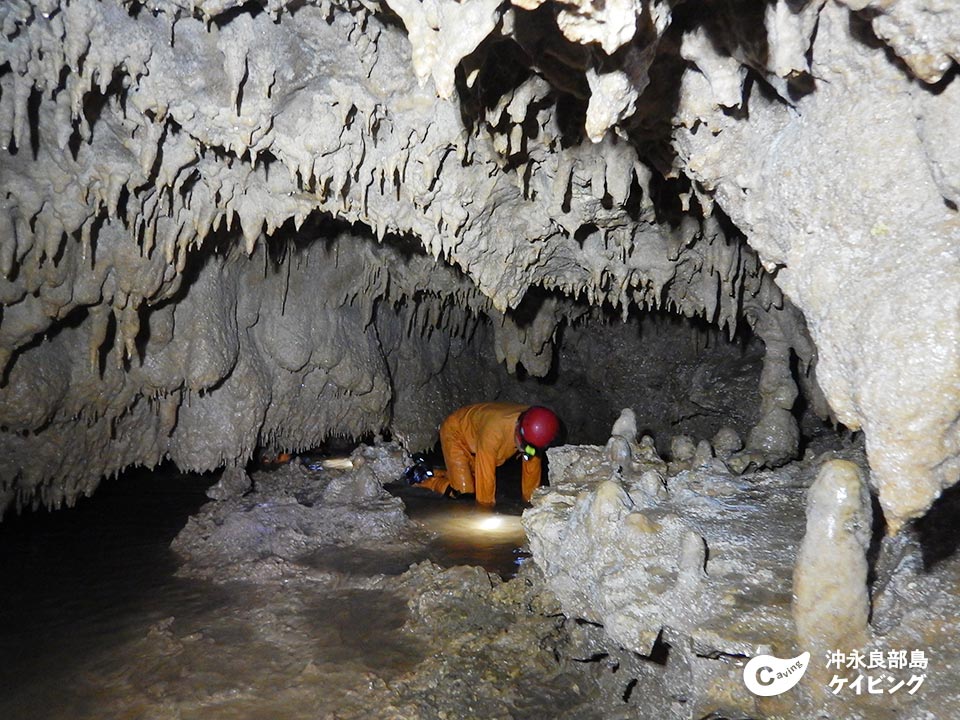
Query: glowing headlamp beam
point(494, 522)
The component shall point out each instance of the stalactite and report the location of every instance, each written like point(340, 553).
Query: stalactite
point(182, 165)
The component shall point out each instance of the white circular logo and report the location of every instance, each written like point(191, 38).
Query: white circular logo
point(767, 675)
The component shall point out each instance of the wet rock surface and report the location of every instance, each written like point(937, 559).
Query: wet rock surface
point(318, 595)
point(311, 597)
point(699, 577)
point(293, 511)
point(673, 571)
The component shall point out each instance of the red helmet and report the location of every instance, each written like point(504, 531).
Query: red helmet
point(538, 426)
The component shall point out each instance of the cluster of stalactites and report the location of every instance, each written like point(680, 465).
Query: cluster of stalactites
point(171, 180)
point(134, 140)
point(104, 193)
point(280, 350)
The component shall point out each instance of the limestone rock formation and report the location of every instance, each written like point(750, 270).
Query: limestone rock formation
point(831, 603)
point(694, 581)
point(778, 169)
point(816, 206)
point(662, 573)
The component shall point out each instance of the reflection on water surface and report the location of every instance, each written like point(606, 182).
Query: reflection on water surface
point(94, 622)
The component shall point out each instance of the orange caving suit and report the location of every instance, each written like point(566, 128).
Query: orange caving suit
point(476, 440)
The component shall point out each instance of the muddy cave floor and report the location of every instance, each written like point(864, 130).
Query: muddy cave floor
point(317, 595)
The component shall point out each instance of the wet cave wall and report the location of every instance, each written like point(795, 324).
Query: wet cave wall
point(232, 225)
point(328, 332)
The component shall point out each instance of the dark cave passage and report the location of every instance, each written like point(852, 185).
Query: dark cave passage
point(254, 252)
point(97, 587)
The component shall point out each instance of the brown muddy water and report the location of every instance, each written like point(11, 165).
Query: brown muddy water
point(95, 622)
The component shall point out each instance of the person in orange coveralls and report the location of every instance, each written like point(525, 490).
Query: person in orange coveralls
point(477, 439)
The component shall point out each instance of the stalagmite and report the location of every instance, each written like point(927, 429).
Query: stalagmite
point(831, 602)
point(622, 437)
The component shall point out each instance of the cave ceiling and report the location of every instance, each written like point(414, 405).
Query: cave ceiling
point(789, 165)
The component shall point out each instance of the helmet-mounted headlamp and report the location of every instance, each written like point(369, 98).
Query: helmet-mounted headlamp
point(527, 451)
